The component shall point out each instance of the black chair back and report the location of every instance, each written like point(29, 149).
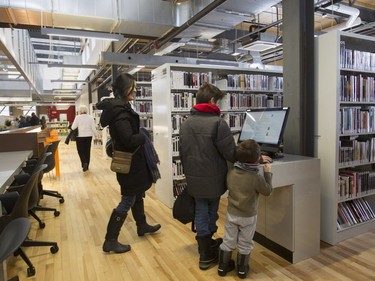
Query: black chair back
point(50, 160)
point(13, 236)
point(21, 207)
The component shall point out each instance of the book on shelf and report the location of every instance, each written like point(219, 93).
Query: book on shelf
point(353, 212)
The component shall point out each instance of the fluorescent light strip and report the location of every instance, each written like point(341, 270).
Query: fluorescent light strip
point(81, 34)
point(68, 81)
point(86, 66)
point(135, 69)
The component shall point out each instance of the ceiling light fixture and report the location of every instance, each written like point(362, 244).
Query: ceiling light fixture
point(85, 66)
point(135, 69)
point(259, 46)
point(81, 34)
point(68, 81)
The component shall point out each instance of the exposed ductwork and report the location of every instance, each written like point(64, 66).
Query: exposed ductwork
point(351, 12)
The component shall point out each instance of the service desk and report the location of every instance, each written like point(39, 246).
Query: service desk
point(289, 220)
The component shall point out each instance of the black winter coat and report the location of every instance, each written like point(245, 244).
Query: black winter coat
point(124, 124)
point(206, 144)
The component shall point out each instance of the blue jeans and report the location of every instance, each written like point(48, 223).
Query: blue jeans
point(125, 204)
point(206, 215)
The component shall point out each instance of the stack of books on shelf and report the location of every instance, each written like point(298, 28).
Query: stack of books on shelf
point(178, 171)
point(189, 79)
point(357, 88)
point(177, 119)
point(143, 106)
point(355, 59)
point(355, 183)
point(183, 101)
point(354, 212)
point(144, 92)
point(357, 150)
point(254, 82)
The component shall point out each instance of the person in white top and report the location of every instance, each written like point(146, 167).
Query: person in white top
point(86, 130)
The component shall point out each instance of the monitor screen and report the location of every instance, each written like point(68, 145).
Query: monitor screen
point(265, 126)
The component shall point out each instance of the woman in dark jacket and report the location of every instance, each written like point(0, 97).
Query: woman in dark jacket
point(124, 129)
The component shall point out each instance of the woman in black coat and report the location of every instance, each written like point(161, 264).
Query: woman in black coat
point(124, 124)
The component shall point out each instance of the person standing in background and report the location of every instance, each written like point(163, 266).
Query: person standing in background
point(126, 135)
point(86, 130)
point(34, 120)
point(43, 122)
point(206, 144)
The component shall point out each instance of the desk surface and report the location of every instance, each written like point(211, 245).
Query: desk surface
point(10, 164)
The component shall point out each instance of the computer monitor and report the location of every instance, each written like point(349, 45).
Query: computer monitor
point(265, 126)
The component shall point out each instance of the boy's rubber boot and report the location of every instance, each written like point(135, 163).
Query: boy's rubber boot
point(226, 263)
point(243, 265)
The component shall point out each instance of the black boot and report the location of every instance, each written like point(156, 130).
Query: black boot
point(138, 211)
point(207, 255)
point(243, 265)
point(226, 263)
point(113, 230)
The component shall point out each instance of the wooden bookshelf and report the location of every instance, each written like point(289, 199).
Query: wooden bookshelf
point(345, 132)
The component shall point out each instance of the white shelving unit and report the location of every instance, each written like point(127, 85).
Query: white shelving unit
point(143, 104)
point(98, 140)
point(62, 127)
point(345, 131)
point(173, 93)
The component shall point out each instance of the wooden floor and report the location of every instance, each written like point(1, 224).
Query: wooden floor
point(168, 255)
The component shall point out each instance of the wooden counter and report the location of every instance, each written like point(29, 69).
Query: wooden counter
point(28, 138)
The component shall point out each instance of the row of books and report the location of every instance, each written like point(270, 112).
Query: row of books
point(357, 88)
point(355, 183)
point(353, 212)
point(254, 82)
point(183, 100)
point(235, 120)
point(143, 106)
point(146, 123)
point(177, 119)
point(144, 92)
point(355, 59)
point(235, 101)
point(178, 171)
point(356, 151)
point(175, 145)
point(189, 79)
point(356, 119)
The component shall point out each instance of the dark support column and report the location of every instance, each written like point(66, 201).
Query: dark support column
point(114, 68)
point(89, 89)
point(298, 53)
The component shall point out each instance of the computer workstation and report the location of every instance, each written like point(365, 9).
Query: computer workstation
point(289, 219)
point(266, 126)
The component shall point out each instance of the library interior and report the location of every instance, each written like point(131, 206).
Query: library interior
point(297, 76)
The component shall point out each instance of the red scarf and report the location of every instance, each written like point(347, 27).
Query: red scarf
point(207, 107)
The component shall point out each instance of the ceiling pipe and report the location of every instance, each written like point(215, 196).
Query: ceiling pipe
point(353, 14)
point(177, 30)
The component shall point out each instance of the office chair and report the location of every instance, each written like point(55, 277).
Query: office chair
point(19, 184)
point(20, 210)
point(50, 161)
point(12, 237)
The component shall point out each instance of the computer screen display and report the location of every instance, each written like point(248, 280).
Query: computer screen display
point(265, 126)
